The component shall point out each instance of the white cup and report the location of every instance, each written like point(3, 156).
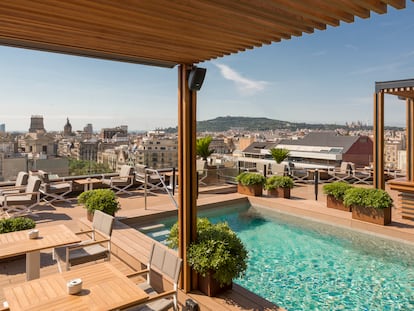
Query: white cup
point(74, 286)
point(33, 234)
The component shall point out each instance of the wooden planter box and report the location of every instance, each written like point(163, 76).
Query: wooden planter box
point(372, 215)
point(253, 190)
point(332, 202)
point(210, 286)
point(279, 193)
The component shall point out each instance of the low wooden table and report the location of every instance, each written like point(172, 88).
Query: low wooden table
point(104, 288)
point(87, 183)
point(18, 243)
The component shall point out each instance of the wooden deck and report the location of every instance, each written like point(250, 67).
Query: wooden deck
point(131, 248)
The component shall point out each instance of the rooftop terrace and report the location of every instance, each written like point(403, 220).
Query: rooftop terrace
point(131, 248)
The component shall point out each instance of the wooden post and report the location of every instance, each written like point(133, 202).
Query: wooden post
point(379, 181)
point(410, 139)
point(187, 174)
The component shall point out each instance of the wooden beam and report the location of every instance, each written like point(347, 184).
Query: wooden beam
point(410, 139)
point(379, 180)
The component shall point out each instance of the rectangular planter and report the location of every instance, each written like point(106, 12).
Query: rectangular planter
point(332, 202)
point(279, 193)
point(372, 215)
point(210, 286)
point(253, 190)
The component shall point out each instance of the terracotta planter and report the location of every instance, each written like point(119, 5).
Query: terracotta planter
point(279, 193)
point(210, 286)
point(332, 202)
point(372, 215)
point(89, 215)
point(253, 190)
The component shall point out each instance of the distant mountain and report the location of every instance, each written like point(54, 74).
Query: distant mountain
point(221, 124)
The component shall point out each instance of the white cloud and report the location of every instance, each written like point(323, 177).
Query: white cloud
point(244, 85)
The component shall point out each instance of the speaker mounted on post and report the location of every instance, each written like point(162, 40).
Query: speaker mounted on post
point(196, 78)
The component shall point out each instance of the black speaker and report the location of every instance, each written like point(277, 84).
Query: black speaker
point(196, 78)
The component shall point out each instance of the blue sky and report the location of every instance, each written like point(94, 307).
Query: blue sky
point(327, 77)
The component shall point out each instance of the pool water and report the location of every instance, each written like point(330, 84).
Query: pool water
point(305, 265)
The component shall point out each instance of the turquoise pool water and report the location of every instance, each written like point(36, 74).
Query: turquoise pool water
point(304, 265)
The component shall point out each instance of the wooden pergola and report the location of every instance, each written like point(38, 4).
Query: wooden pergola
point(170, 33)
point(404, 89)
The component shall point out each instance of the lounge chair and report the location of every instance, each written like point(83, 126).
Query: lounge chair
point(14, 204)
point(360, 176)
point(54, 190)
point(344, 173)
point(201, 171)
point(123, 181)
point(163, 265)
point(91, 249)
point(19, 185)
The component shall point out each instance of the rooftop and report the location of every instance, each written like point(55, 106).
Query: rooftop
point(128, 251)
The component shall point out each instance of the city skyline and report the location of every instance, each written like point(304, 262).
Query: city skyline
point(324, 77)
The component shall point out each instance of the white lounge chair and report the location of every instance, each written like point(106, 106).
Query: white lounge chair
point(91, 249)
point(167, 266)
point(54, 190)
point(201, 171)
point(123, 181)
point(19, 185)
point(15, 204)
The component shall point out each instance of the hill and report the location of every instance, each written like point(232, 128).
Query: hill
point(221, 124)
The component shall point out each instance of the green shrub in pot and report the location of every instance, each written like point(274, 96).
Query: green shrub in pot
point(217, 250)
point(336, 189)
point(16, 224)
point(274, 182)
point(249, 178)
point(104, 200)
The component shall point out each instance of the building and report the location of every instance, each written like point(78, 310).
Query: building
point(36, 124)
point(67, 129)
point(2, 128)
point(156, 150)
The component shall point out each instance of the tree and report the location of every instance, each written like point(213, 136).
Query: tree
point(279, 154)
point(203, 147)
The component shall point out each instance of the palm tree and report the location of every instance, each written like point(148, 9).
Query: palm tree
point(203, 147)
point(279, 154)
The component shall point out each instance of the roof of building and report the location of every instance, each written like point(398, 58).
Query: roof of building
point(323, 139)
point(256, 147)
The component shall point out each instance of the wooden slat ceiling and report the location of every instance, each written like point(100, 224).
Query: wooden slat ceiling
point(166, 32)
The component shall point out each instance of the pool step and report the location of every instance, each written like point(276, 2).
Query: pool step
point(151, 228)
point(162, 233)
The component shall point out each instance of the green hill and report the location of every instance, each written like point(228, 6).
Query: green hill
point(221, 124)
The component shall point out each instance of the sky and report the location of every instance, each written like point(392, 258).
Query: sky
point(325, 77)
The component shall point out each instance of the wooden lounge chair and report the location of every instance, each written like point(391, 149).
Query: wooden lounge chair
point(14, 204)
point(123, 181)
point(91, 249)
point(163, 265)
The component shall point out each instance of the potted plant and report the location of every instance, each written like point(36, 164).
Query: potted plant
point(250, 183)
point(279, 154)
point(16, 224)
point(218, 255)
point(104, 200)
point(335, 195)
point(203, 147)
point(369, 204)
point(279, 186)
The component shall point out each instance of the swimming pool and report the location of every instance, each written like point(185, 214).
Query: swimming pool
point(305, 265)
